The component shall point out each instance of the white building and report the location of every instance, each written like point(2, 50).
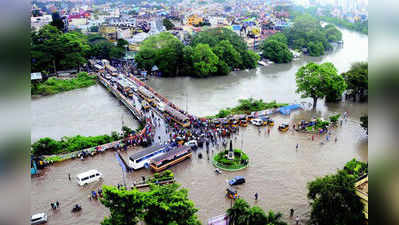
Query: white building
point(40, 21)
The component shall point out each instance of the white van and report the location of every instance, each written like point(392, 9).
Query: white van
point(88, 177)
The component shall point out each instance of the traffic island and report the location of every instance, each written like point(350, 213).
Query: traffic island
point(231, 160)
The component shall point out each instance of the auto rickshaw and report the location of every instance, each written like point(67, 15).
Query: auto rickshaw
point(217, 123)
point(250, 117)
point(232, 193)
point(179, 140)
point(225, 123)
point(265, 120)
point(243, 121)
point(233, 123)
point(270, 122)
point(145, 104)
point(283, 127)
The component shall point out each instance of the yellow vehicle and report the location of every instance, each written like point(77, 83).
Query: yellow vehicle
point(217, 123)
point(179, 140)
point(243, 121)
point(283, 127)
point(145, 104)
point(225, 123)
point(234, 123)
point(270, 122)
point(250, 117)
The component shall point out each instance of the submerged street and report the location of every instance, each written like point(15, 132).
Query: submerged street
point(277, 172)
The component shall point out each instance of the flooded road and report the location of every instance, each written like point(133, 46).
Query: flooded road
point(277, 172)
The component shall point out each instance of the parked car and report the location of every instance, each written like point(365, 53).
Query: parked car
point(193, 144)
point(257, 122)
point(237, 180)
point(39, 218)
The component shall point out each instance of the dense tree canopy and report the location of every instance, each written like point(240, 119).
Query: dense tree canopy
point(319, 81)
point(211, 52)
point(334, 201)
point(242, 214)
point(308, 33)
point(52, 50)
point(163, 50)
point(276, 51)
point(357, 79)
point(162, 205)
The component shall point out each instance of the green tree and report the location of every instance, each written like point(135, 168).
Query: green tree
point(45, 49)
point(257, 216)
point(315, 48)
point(239, 214)
point(75, 49)
point(168, 204)
point(94, 29)
point(250, 59)
point(122, 43)
point(204, 60)
point(168, 24)
point(187, 67)
point(357, 79)
point(334, 202)
point(163, 50)
point(274, 218)
point(280, 37)
point(225, 50)
point(277, 51)
point(45, 146)
point(126, 206)
point(318, 81)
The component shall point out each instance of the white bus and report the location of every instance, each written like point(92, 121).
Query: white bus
point(88, 177)
point(142, 158)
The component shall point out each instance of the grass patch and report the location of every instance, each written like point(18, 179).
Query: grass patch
point(54, 85)
point(240, 160)
point(246, 106)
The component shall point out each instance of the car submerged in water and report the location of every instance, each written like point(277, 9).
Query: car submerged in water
point(39, 218)
point(237, 180)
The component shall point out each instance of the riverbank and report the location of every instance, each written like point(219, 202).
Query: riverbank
point(247, 106)
point(62, 149)
point(56, 85)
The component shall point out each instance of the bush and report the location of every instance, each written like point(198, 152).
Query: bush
point(334, 119)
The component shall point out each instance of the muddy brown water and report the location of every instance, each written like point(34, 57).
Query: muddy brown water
point(277, 172)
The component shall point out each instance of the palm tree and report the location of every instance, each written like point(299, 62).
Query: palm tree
point(239, 214)
point(258, 216)
point(274, 218)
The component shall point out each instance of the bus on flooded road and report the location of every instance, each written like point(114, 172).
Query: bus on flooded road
point(141, 159)
point(170, 158)
point(176, 116)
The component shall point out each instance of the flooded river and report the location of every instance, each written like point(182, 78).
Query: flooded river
point(277, 172)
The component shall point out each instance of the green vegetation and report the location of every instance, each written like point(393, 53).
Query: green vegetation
point(215, 51)
point(52, 50)
point(54, 85)
point(360, 26)
point(247, 106)
point(275, 49)
point(240, 160)
point(357, 80)
point(168, 24)
point(334, 118)
point(161, 205)
point(308, 33)
point(49, 146)
point(333, 199)
point(165, 175)
point(242, 214)
point(319, 81)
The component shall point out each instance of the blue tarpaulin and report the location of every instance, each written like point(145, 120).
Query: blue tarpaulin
point(120, 162)
point(286, 110)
